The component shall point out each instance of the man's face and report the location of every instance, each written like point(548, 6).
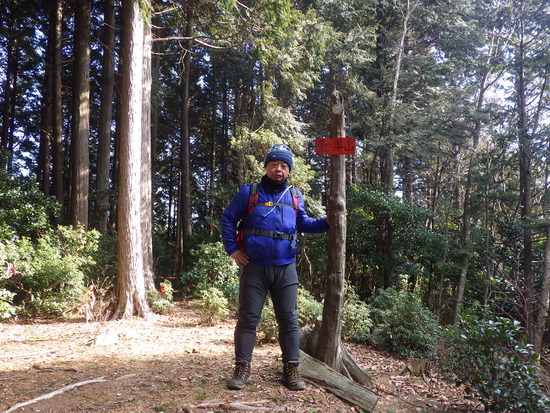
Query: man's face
point(277, 171)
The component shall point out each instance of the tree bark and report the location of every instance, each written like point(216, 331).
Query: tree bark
point(184, 202)
point(331, 327)
point(146, 159)
point(525, 155)
point(44, 149)
point(466, 214)
point(113, 218)
point(544, 299)
point(80, 162)
point(213, 153)
point(10, 92)
point(57, 106)
point(224, 158)
point(105, 116)
point(131, 298)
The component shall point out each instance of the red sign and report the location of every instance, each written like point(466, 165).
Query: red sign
point(335, 146)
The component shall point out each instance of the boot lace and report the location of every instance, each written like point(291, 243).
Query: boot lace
point(292, 372)
point(241, 371)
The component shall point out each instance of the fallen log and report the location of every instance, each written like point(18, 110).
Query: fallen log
point(337, 383)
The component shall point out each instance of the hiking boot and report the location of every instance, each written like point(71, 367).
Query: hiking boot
point(240, 376)
point(291, 377)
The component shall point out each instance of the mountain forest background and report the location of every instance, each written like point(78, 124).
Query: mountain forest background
point(130, 125)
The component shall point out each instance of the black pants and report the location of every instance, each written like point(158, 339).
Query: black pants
point(282, 284)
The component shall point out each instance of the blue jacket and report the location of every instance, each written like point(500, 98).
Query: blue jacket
point(261, 249)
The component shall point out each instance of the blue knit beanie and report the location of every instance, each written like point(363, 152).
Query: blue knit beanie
point(279, 152)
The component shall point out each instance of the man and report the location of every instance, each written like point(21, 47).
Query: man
point(268, 256)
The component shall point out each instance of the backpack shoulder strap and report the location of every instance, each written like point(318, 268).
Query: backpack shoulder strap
point(252, 196)
point(295, 198)
point(252, 199)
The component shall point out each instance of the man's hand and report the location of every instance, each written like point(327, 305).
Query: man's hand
point(240, 257)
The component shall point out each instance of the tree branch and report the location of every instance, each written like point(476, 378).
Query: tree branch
point(55, 393)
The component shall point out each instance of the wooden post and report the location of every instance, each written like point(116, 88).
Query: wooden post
point(331, 327)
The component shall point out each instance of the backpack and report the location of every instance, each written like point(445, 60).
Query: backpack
point(252, 203)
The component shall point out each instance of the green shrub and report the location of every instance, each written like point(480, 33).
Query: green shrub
point(356, 322)
point(212, 267)
point(166, 290)
point(161, 301)
point(214, 303)
point(309, 310)
point(489, 358)
point(49, 275)
point(403, 325)
point(7, 309)
point(158, 303)
point(101, 268)
point(24, 210)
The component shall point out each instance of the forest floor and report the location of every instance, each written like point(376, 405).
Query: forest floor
point(178, 363)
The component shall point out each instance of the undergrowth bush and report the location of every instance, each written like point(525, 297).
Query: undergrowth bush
point(48, 276)
point(24, 209)
point(214, 302)
point(161, 301)
point(356, 322)
point(212, 268)
point(403, 325)
point(490, 359)
point(101, 269)
point(7, 309)
point(309, 309)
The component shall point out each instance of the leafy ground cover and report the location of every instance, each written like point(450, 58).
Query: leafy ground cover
point(179, 363)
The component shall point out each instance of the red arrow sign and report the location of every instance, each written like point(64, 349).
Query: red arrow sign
point(335, 146)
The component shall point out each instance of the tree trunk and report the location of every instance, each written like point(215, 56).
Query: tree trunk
point(113, 217)
point(525, 155)
point(466, 214)
point(10, 84)
point(131, 298)
point(80, 162)
point(329, 341)
point(155, 87)
point(44, 150)
point(224, 155)
point(105, 117)
point(57, 106)
point(213, 146)
point(544, 298)
point(324, 341)
point(184, 203)
point(146, 160)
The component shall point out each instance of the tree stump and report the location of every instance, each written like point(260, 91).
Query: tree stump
point(416, 368)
